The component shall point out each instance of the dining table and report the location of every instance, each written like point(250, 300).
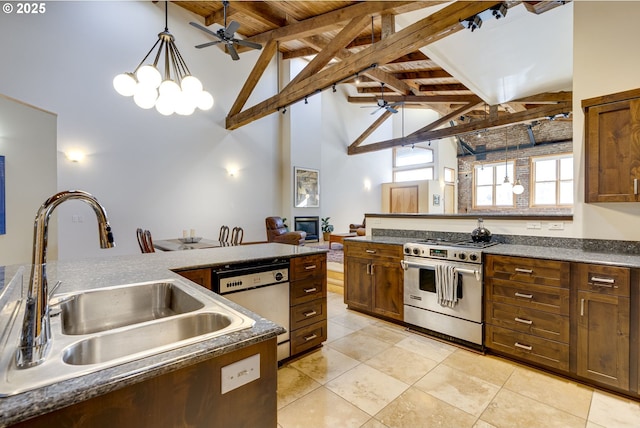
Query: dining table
point(183, 244)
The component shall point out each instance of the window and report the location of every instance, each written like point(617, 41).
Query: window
point(552, 178)
point(412, 163)
point(449, 175)
point(488, 188)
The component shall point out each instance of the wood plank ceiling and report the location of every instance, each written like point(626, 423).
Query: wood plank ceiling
point(342, 39)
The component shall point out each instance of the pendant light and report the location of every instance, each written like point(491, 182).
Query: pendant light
point(175, 92)
point(506, 184)
point(518, 188)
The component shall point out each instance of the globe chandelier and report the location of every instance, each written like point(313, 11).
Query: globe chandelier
point(177, 91)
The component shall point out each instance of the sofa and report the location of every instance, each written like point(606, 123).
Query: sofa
point(277, 232)
point(360, 229)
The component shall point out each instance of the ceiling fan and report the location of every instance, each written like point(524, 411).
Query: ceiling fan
point(226, 36)
point(384, 104)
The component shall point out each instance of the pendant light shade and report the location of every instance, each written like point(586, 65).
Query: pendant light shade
point(174, 91)
point(518, 188)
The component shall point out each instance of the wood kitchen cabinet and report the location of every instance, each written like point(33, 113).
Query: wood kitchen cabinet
point(602, 323)
point(199, 276)
point(308, 300)
point(374, 278)
point(527, 309)
point(612, 147)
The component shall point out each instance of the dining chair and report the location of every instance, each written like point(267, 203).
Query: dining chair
point(224, 234)
point(237, 235)
point(145, 241)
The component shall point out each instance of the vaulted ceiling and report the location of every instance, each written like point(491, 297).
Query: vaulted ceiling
point(422, 54)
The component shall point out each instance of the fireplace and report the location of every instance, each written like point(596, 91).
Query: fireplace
point(311, 225)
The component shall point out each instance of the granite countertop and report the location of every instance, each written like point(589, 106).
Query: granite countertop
point(119, 270)
point(532, 251)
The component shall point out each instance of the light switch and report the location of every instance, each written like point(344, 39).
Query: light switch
point(240, 373)
point(534, 225)
point(556, 226)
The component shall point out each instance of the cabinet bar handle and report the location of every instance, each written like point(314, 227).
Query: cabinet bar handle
point(581, 307)
point(310, 267)
point(635, 186)
point(371, 273)
point(523, 321)
point(368, 268)
point(370, 251)
point(520, 270)
point(526, 296)
point(521, 346)
point(603, 282)
point(310, 314)
point(310, 290)
point(308, 338)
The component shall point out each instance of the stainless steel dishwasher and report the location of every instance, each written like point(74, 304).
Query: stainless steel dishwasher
point(263, 288)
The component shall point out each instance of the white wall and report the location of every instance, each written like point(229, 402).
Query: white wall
point(28, 142)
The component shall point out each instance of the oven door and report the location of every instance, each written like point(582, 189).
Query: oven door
point(420, 287)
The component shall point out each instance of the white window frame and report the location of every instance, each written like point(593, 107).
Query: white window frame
point(428, 165)
point(558, 181)
point(497, 181)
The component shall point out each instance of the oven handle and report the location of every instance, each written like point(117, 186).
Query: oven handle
point(407, 265)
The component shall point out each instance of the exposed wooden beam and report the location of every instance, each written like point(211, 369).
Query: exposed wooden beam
point(465, 128)
point(426, 99)
point(379, 121)
point(262, 11)
point(423, 74)
point(299, 53)
point(443, 87)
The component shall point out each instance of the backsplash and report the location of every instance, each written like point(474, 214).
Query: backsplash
point(595, 245)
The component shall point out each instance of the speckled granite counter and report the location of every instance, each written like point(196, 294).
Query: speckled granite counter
point(111, 271)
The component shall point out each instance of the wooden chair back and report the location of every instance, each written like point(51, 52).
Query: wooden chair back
point(145, 241)
point(224, 234)
point(237, 235)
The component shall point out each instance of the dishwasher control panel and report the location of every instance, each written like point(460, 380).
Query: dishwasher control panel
point(253, 280)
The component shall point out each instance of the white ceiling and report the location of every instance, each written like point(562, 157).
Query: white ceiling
point(519, 55)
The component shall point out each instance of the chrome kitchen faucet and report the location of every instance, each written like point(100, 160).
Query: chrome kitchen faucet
point(35, 338)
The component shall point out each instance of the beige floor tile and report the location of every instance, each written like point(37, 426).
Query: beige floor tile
point(426, 347)
point(325, 364)
point(483, 424)
point(486, 367)
point(384, 333)
point(512, 410)
point(593, 425)
point(321, 408)
point(359, 346)
point(611, 411)
point(367, 388)
point(293, 384)
point(402, 364)
point(374, 423)
point(552, 390)
point(457, 388)
point(415, 408)
point(336, 331)
point(353, 320)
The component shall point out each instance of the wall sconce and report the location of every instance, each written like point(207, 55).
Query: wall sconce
point(232, 171)
point(75, 155)
point(367, 184)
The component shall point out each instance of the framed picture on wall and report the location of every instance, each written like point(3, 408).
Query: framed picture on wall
point(307, 188)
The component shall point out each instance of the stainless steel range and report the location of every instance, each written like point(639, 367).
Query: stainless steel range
point(443, 288)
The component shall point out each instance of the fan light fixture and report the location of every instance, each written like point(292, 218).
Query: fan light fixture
point(179, 93)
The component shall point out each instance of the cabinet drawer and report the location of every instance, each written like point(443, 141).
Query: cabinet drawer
point(307, 267)
point(308, 337)
point(529, 321)
point(527, 347)
point(532, 271)
point(372, 250)
point(602, 279)
point(308, 313)
point(308, 290)
point(548, 299)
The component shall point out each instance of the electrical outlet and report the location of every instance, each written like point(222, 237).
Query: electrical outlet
point(240, 373)
point(556, 226)
point(534, 225)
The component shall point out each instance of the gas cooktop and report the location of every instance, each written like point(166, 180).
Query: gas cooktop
point(467, 244)
point(467, 251)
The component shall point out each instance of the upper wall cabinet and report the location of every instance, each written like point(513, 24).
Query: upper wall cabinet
point(612, 147)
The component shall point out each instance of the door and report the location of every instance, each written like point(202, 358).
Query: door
point(358, 293)
point(449, 199)
point(387, 277)
point(603, 338)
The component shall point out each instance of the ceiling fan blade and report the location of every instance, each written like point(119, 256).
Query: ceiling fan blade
point(206, 45)
point(205, 29)
point(391, 109)
point(233, 52)
point(376, 110)
point(248, 44)
point(231, 29)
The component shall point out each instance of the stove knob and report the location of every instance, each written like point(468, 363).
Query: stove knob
point(407, 250)
point(279, 276)
point(462, 256)
point(473, 257)
point(416, 251)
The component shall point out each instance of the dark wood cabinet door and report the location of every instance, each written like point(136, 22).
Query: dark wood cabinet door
point(603, 338)
point(199, 276)
point(357, 290)
point(387, 277)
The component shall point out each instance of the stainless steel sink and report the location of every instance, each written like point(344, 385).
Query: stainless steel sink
point(106, 309)
point(109, 326)
point(157, 335)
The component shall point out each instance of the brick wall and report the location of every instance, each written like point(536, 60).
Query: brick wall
point(551, 137)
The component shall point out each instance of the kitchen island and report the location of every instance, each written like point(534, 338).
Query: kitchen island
point(113, 271)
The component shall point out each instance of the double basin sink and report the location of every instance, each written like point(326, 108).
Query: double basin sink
point(101, 328)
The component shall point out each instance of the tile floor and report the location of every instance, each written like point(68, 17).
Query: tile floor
point(374, 374)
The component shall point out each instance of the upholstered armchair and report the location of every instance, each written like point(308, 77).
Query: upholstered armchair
point(360, 229)
point(277, 232)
